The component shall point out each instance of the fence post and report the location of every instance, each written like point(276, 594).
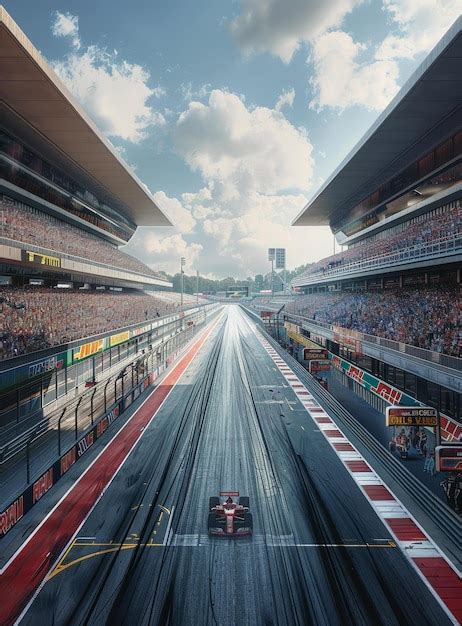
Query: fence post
point(28, 460)
point(91, 404)
point(75, 418)
point(105, 398)
point(59, 430)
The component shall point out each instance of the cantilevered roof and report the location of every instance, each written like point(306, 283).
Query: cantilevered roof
point(426, 109)
point(30, 88)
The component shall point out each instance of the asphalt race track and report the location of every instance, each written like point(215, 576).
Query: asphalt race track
point(319, 554)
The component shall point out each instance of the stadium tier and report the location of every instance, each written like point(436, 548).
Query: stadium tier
point(68, 201)
point(436, 233)
point(22, 224)
point(26, 324)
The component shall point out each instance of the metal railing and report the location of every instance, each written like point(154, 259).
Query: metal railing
point(443, 246)
point(66, 425)
point(438, 358)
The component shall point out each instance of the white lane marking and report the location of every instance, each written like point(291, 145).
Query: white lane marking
point(167, 537)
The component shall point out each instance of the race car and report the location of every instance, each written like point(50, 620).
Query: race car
point(228, 518)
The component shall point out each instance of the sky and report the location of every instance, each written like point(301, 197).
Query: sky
point(233, 113)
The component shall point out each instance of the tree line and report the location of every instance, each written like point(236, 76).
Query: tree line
point(254, 283)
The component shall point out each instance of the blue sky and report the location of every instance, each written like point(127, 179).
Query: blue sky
point(233, 113)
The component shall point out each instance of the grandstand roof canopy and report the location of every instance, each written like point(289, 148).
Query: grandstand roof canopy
point(30, 88)
point(427, 107)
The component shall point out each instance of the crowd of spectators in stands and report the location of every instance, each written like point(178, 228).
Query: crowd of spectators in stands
point(34, 318)
point(408, 235)
point(430, 318)
point(28, 225)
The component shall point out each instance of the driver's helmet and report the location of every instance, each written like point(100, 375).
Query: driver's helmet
point(229, 501)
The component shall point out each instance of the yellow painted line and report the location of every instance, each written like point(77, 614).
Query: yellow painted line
point(59, 565)
point(115, 548)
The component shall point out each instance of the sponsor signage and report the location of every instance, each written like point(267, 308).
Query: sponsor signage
point(374, 385)
point(42, 485)
point(11, 515)
point(37, 258)
point(266, 314)
point(87, 349)
point(114, 340)
point(448, 458)
point(49, 364)
point(301, 339)
point(411, 416)
point(318, 366)
point(314, 354)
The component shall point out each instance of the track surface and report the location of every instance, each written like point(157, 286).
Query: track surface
point(319, 555)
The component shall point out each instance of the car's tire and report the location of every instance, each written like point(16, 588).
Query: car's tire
point(392, 446)
point(211, 522)
point(213, 501)
point(244, 501)
point(248, 521)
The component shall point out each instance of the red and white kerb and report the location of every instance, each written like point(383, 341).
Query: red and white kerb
point(439, 574)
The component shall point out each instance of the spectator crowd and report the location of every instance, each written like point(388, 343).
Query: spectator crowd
point(426, 229)
point(34, 318)
point(28, 225)
point(429, 318)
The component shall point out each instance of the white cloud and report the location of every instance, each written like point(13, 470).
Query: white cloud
point(279, 26)
point(181, 217)
point(115, 93)
point(421, 24)
point(163, 253)
point(243, 147)
point(341, 79)
point(285, 99)
point(66, 25)
point(251, 161)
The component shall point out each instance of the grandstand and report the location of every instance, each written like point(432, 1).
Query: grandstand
point(67, 204)
point(67, 200)
point(389, 303)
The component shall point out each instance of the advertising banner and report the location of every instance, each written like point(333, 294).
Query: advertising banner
point(40, 259)
point(450, 430)
point(114, 340)
point(313, 354)
point(88, 349)
point(411, 416)
point(318, 366)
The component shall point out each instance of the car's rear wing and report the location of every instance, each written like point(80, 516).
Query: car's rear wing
point(233, 494)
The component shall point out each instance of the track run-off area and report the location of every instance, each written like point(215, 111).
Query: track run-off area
point(128, 543)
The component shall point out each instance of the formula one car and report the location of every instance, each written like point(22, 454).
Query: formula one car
point(228, 518)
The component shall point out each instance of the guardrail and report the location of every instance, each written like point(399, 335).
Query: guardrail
point(444, 246)
point(438, 358)
point(89, 405)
